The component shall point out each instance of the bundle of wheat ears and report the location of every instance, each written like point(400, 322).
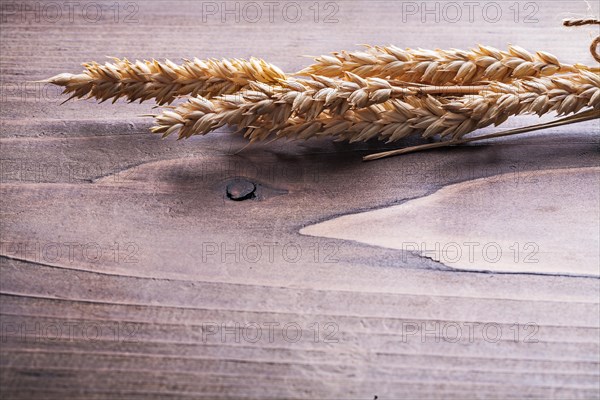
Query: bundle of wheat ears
point(381, 92)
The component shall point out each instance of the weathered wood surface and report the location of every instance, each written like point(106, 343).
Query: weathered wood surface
point(161, 257)
point(549, 232)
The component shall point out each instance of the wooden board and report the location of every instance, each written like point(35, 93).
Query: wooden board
point(128, 272)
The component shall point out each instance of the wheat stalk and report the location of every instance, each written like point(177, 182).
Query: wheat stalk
point(440, 67)
point(164, 81)
point(395, 119)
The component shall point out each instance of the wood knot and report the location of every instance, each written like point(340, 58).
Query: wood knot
point(241, 189)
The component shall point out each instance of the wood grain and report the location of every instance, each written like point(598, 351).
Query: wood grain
point(123, 259)
point(550, 229)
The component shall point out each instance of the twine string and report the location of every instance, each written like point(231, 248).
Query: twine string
point(583, 22)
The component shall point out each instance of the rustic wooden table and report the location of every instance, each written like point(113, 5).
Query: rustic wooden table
point(128, 272)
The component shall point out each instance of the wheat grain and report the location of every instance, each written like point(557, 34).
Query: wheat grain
point(278, 103)
point(394, 119)
point(382, 92)
point(440, 67)
point(589, 115)
point(429, 116)
point(164, 81)
point(293, 97)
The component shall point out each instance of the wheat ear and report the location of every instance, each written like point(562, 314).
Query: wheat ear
point(589, 115)
point(164, 81)
point(292, 97)
point(440, 67)
point(396, 119)
point(456, 117)
point(583, 116)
